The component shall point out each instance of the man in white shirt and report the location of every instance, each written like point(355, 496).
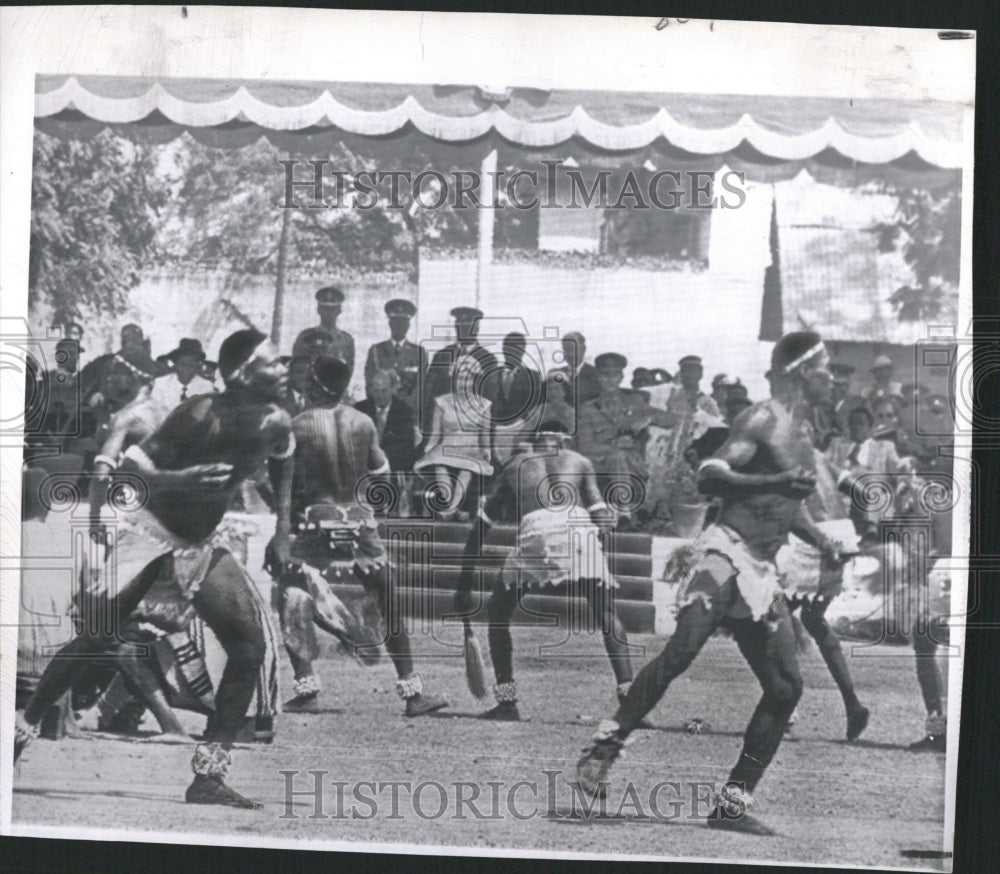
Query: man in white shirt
point(184, 380)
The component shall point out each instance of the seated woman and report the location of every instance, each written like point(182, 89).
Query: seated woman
point(459, 445)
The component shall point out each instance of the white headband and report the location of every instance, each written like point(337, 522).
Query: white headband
point(805, 356)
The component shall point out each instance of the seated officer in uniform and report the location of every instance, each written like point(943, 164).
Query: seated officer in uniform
point(406, 359)
point(329, 301)
point(612, 429)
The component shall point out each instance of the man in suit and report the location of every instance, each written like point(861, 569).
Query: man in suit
point(519, 388)
point(394, 421)
point(329, 301)
point(407, 360)
point(582, 384)
point(183, 380)
point(465, 352)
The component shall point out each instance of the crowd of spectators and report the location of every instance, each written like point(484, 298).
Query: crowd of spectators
point(450, 422)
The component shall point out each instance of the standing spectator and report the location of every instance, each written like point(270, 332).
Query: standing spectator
point(519, 388)
point(407, 360)
point(519, 403)
point(329, 301)
point(184, 379)
point(613, 431)
point(465, 353)
point(581, 383)
point(684, 403)
point(398, 434)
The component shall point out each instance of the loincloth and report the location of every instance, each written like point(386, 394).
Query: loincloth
point(554, 546)
point(139, 540)
point(336, 538)
point(756, 578)
point(805, 574)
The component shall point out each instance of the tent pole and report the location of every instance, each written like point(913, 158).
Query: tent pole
point(487, 216)
point(277, 319)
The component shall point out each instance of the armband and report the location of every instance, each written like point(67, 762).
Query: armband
point(720, 463)
point(383, 469)
point(289, 451)
point(136, 453)
point(600, 505)
point(106, 459)
point(484, 517)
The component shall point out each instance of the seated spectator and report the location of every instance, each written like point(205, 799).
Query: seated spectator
point(859, 454)
point(398, 435)
point(459, 446)
point(555, 405)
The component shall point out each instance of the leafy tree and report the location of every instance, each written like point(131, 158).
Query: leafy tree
point(229, 212)
point(928, 227)
point(94, 222)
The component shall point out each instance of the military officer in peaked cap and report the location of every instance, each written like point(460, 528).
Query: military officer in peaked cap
point(465, 350)
point(329, 301)
point(612, 429)
point(398, 354)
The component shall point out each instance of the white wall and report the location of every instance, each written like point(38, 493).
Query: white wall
point(652, 318)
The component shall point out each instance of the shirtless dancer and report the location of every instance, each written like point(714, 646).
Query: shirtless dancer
point(138, 415)
point(553, 493)
point(336, 449)
point(192, 466)
point(762, 474)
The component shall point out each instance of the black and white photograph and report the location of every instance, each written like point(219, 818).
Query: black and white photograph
point(556, 449)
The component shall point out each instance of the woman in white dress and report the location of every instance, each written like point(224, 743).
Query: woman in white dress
point(459, 445)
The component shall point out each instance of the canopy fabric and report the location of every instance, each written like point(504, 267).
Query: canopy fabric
point(769, 137)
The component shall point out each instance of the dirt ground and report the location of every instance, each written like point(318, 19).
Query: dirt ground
point(870, 803)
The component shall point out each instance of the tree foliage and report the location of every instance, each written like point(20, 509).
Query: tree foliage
point(94, 222)
point(927, 226)
point(228, 213)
